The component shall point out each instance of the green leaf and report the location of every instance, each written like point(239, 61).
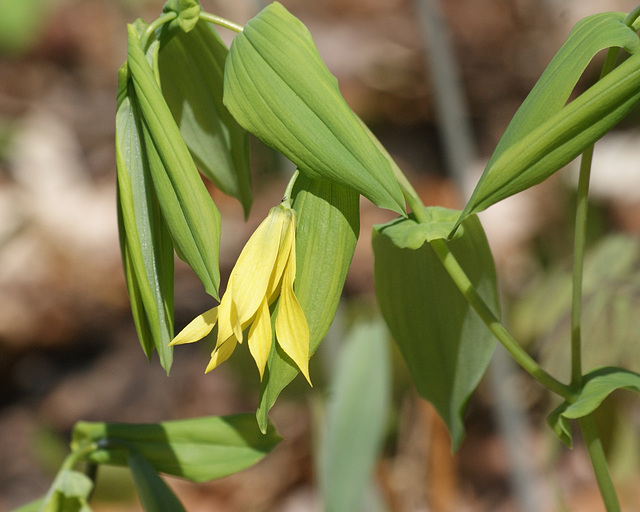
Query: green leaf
point(357, 416)
point(147, 250)
point(445, 344)
point(328, 225)
point(188, 12)
point(278, 88)
point(597, 385)
point(544, 134)
point(560, 425)
point(154, 493)
point(198, 449)
point(68, 493)
point(191, 67)
point(191, 216)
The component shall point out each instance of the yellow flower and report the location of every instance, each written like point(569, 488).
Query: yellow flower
point(266, 269)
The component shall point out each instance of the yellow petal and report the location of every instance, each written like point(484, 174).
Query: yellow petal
point(260, 336)
point(286, 242)
point(292, 331)
point(228, 322)
point(197, 329)
point(222, 353)
point(250, 275)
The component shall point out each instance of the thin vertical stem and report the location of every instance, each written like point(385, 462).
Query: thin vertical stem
point(599, 463)
point(578, 266)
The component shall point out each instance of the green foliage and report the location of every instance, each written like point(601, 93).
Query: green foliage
point(545, 134)
point(154, 493)
point(278, 88)
point(146, 246)
point(190, 214)
point(357, 414)
point(198, 449)
point(444, 342)
point(597, 385)
point(327, 231)
point(434, 272)
point(191, 67)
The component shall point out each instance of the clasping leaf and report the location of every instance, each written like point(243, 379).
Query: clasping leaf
point(197, 449)
point(597, 385)
point(191, 67)
point(544, 134)
point(278, 88)
point(191, 216)
point(444, 342)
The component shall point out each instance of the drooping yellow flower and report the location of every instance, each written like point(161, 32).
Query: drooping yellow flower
point(265, 270)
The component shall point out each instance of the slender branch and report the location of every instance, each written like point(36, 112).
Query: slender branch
point(286, 199)
point(465, 285)
point(159, 21)
point(580, 234)
point(579, 242)
point(221, 22)
point(599, 463)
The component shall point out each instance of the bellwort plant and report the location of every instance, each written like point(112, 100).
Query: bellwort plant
point(186, 105)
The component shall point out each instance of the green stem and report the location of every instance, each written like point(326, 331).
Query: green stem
point(286, 199)
point(599, 463)
point(77, 455)
point(579, 242)
point(217, 20)
point(472, 296)
point(580, 234)
point(465, 285)
point(631, 18)
point(158, 22)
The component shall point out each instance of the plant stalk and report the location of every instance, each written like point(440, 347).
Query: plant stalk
point(579, 242)
point(221, 22)
point(599, 463)
point(465, 285)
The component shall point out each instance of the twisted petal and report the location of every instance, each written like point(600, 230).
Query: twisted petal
point(228, 322)
point(221, 353)
point(292, 330)
point(197, 329)
point(287, 240)
point(260, 337)
point(251, 274)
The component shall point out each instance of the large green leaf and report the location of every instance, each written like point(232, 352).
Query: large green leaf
point(191, 216)
point(444, 342)
point(147, 249)
point(278, 88)
point(154, 493)
point(545, 134)
point(597, 385)
point(328, 225)
point(357, 415)
point(197, 449)
point(191, 67)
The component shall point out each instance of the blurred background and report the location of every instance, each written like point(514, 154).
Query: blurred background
point(68, 348)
